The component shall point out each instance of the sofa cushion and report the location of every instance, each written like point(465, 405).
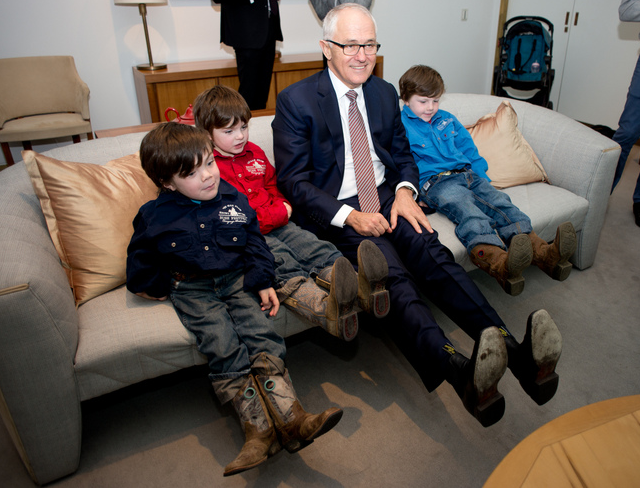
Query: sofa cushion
point(89, 211)
point(511, 159)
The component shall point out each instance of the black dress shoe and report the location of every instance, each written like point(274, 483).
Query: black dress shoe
point(476, 380)
point(534, 361)
point(636, 212)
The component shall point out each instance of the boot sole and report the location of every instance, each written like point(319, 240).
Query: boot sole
point(490, 366)
point(519, 258)
point(373, 271)
point(567, 243)
point(295, 444)
point(343, 294)
point(546, 348)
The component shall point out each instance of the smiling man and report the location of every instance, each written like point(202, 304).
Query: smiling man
point(343, 161)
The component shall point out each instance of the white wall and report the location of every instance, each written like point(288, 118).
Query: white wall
point(107, 40)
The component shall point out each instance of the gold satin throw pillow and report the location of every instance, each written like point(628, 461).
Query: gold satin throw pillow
point(510, 158)
point(89, 210)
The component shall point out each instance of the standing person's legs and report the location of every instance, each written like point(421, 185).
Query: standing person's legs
point(629, 128)
point(255, 69)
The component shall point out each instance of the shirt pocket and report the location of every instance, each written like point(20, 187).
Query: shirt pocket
point(174, 244)
point(231, 237)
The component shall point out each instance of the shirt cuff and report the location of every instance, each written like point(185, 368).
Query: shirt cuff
point(406, 184)
point(339, 218)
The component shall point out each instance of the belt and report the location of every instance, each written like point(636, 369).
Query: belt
point(452, 172)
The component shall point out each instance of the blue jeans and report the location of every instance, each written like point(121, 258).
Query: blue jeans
point(629, 128)
point(227, 321)
point(483, 214)
point(298, 252)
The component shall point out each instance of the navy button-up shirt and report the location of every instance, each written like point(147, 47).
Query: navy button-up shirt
point(176, 234)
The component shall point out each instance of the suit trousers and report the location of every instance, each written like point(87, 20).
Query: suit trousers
point(255, 67)
point(411, 324)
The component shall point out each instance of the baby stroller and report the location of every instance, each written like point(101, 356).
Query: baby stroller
point(525, 61)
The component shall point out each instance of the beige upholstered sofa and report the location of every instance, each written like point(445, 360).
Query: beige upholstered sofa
point(53, 356)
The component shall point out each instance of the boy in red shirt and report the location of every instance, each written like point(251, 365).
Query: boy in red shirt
point(306, 267)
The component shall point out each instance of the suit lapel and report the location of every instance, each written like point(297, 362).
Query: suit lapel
point(329, 106)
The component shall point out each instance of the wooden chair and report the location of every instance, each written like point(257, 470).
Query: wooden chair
point(42, 97)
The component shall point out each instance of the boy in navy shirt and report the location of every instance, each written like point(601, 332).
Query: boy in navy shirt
point(453, 180)
point(199, 244)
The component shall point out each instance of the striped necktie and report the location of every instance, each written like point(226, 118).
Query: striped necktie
point(362, 164)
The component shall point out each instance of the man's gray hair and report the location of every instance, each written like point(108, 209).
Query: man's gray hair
point(330, 21)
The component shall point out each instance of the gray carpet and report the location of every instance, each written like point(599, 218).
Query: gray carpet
point(172, 432)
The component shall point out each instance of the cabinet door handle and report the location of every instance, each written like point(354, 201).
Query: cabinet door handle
point(566, 22)
point(575, 20)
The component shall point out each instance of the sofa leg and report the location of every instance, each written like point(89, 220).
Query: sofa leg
point(6, 150)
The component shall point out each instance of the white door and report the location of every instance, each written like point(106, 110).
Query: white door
point(594, 55)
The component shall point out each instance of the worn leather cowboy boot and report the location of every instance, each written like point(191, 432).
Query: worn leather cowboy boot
point(534, 360)
point(372, 275)
point(505, 266)
point(261, 441)
point(373, 271)
point(295, 427)
point(333, 311)
point(476, 380)
point(553, 258)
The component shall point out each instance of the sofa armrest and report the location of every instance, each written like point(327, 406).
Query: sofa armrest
point(577, 159)
point(38, 337)
point(574, 156)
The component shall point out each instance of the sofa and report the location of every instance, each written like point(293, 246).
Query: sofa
point(55, 355)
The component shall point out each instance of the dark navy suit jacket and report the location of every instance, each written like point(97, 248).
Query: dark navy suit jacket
point(309, 146)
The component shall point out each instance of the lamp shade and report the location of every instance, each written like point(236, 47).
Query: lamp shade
point(138, 2)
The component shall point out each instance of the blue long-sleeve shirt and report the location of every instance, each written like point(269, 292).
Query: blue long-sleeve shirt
point(443, 144)
point(175, 234)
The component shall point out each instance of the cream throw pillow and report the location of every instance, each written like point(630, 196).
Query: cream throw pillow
point(89, 210)
point(510, 158)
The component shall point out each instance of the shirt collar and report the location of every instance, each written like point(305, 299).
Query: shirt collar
point(340, 88)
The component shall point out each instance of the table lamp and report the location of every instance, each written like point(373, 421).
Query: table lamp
point(142, 7)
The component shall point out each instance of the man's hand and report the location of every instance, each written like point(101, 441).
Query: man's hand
point(269, 300)
point(148, 297)
point(405, 206)
point(368, 224)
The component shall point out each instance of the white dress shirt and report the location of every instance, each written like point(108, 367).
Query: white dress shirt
point(348, 188)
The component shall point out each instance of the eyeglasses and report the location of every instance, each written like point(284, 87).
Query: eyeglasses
point(353, 49)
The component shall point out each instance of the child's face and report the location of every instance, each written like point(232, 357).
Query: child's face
point(231, 140)
point(423, 107)
point(201, 184)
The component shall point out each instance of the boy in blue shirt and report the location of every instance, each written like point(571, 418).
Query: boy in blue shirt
point(453, 180)
point(199, 244)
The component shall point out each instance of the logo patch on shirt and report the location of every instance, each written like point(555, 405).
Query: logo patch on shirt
point(232, 214)
point(257, 167)
point(444, 123)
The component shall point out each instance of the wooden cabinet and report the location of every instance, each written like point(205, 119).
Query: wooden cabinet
point(178, 85)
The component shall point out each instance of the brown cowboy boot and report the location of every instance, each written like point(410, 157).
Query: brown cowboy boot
point(333, 311)
point(534, 360)
point(373, 271)
point(553, 258)
point(261, 441)
point(476, 380)
point(296, 428)
point(505, 266)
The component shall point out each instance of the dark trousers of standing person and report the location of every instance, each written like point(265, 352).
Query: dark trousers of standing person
point(255, 67)
point(420, 260)
point(629, 129)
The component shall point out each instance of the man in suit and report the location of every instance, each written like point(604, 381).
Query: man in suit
point(251, 28)
point(320, 159)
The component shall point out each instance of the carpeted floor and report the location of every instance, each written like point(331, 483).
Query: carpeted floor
point(172, 432)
